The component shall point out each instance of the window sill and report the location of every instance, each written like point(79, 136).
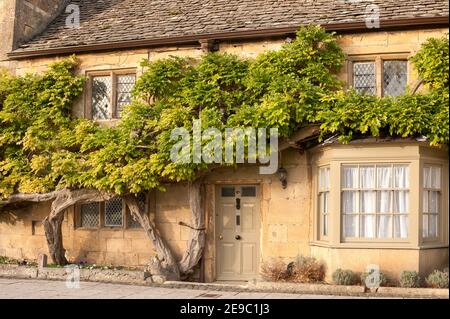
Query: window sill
point(402, 245)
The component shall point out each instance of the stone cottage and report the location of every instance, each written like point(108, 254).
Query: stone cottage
point(373, 201)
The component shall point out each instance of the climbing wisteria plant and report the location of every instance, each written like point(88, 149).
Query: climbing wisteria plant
point(46, 154)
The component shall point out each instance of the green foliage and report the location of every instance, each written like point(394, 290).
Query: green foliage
point(344, 277)
point(409, 279)
point(43, 148)
point(432, 61)
point(438, 279)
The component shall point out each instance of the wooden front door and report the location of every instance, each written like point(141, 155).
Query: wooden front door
point(238, 232)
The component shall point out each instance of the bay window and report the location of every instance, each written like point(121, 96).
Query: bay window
point(375, 201)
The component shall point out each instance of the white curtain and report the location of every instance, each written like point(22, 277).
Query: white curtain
point(367, 202)
point(401, 202)
point(436, 177)
point(384, 201)
point(324, 178)
point(350, 178)
point(401, 226)
point(385, 226)
point(367, 177)
point(401, 176)
point(350, 225)
point(349, 202)
point(384, 176)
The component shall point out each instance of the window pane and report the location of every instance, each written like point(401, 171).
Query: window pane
point(394, 77)
point(350, 223)
point(427, 177)
point(349, 202)
point(101, 97)
point(401, 176)
point(228, 192)
point(114, 213)
point(384, 226)
point(401, 226)
point(324, 178)
point(249, 191)
point(436, 177)
point(433, 230)
point(125, 84)
point(384, 174)
point(434, 202)
point(350, 177)
point(425, 202)
point(367, 177)
point(384, 202)
point(323, 203)
point(90, 215)
point(425, 226)
point(368, 201)
point(364, 78)
point(401, 202)
point(368, 226)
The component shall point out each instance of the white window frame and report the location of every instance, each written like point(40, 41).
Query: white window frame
point(324, 216)
point(426, 212)
point(376, 213)
point(113, 74)
point(379, 68)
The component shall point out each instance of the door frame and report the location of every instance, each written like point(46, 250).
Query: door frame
point(209, 262)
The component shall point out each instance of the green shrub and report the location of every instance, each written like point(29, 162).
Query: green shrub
point(344, 277)
point(383, 280)
point(409, 279)
point(438, 279)
point(307, 270)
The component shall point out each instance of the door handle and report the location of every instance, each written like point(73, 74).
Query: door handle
point(238, 237)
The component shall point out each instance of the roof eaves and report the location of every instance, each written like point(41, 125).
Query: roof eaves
point(353, 27)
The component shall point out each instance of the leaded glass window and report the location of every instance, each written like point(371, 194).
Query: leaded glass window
point(125, 84)
point(114, 213)
point(394, 77)
point(101, 97)
point(364, 77)
point(110, 93)
point(90, 215)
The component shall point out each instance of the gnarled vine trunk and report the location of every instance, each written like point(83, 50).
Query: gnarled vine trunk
point(164, 261)
point(53, 222)
point(165, 258)
point(196, 243)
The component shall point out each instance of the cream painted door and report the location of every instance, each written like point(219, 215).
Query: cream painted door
point(238, 232)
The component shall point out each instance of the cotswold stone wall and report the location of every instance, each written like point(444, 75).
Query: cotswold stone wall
point(21, 20)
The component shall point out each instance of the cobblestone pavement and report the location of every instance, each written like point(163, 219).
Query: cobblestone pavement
point(39, 289)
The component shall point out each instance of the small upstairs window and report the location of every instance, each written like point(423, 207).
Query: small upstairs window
point(378, 75)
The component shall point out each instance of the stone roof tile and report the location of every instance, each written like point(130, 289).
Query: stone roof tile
point(110, 21)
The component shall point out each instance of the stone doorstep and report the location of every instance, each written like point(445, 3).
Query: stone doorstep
point(138, 278)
